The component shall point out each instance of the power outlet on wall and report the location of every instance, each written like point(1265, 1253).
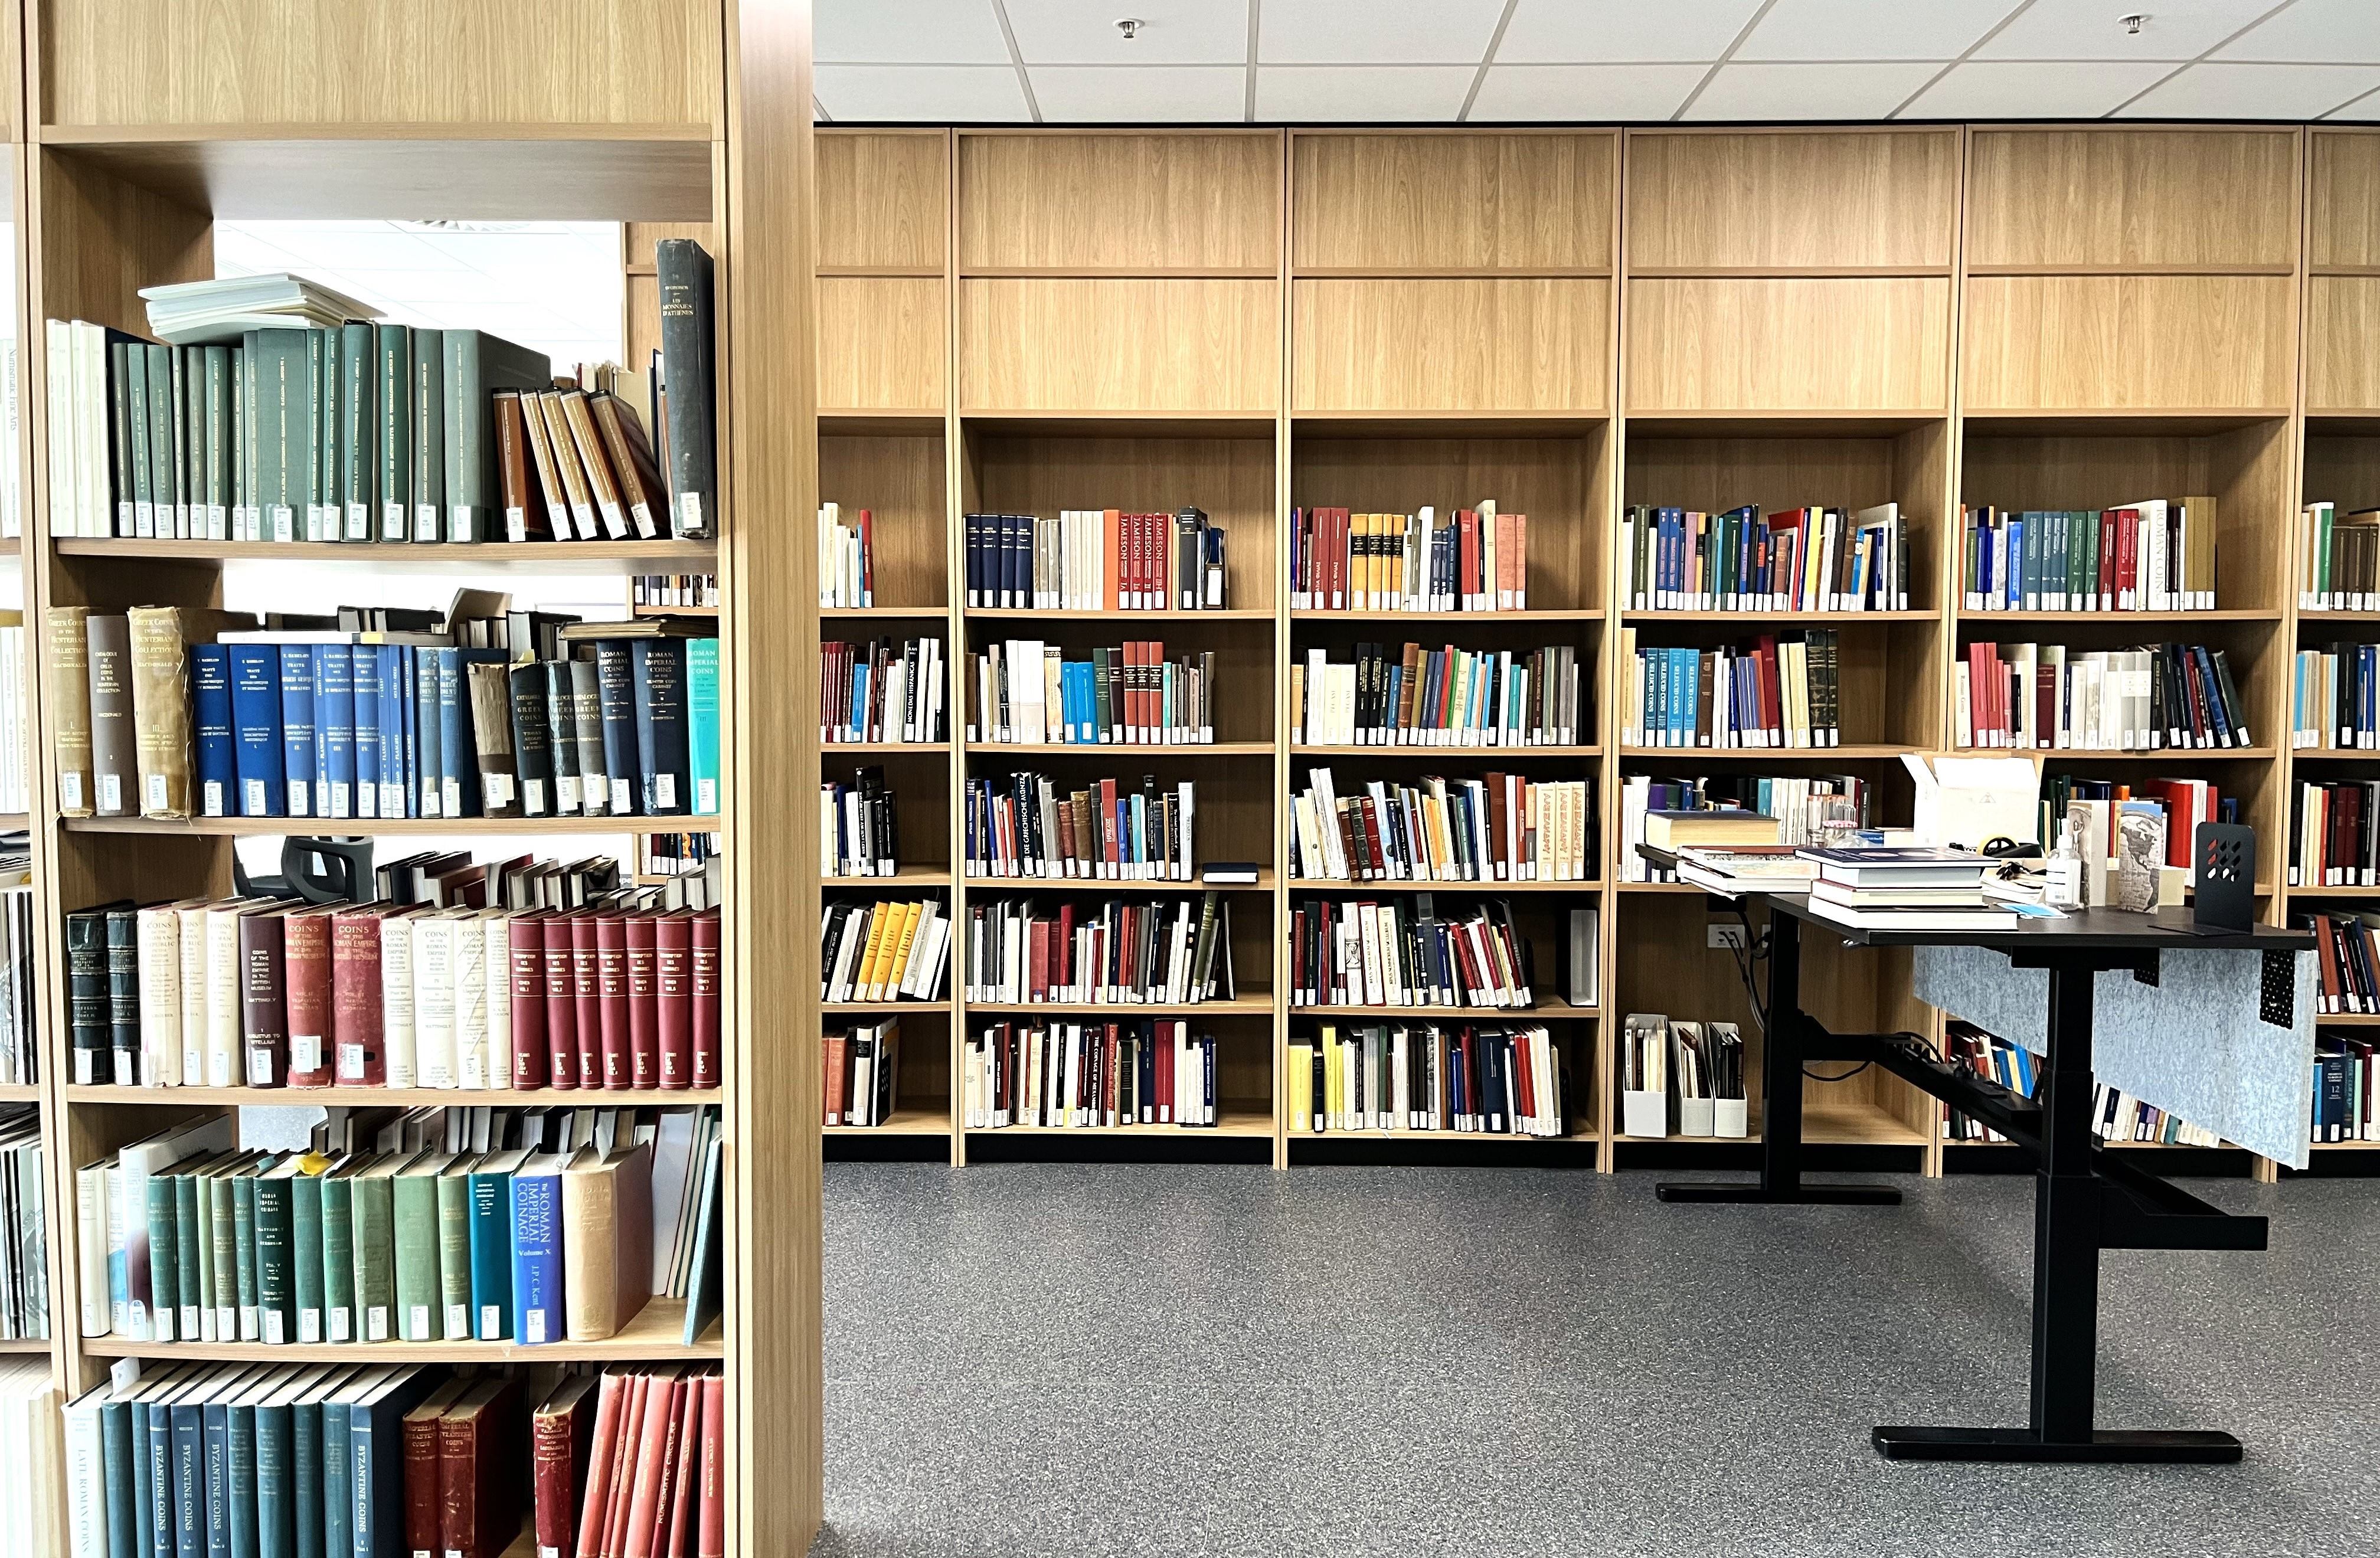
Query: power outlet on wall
point(1727, 932)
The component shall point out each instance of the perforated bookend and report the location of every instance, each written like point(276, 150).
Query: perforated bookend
point(2225, 856)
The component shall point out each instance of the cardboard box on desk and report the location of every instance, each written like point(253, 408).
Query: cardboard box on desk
point(1970, 800)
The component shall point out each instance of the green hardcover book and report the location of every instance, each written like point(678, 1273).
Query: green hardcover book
point(455, 1248)
point(273, 1299)
point(318, 343)
point(190, 434)
point(374, 1218)
point(120, 419)
point(286, 437)
point(421, 1295)
point(239, 1457)
point(276, 1473)
point(132, 361)
point(243, 1223)
point(164, 382)
point(304, 1257)
point(393, 394)
point(165, 1262)
point(243, 437)
point(224, 1219)
point(358, 428)
point(329, 414)
point(477, 364)
point(339, 1251)
point(428, 483)
point(192, 1244)
point(222, 483)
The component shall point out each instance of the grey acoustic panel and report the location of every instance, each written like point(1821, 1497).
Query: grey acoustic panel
point(2195, 1043)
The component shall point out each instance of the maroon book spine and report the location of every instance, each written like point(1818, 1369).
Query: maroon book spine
point(706, 999)
point(356, 996)
point(561, 1008)
point(673, 940)
point(611, 998)
point(525, 941)
point(263, 1001)
point(586, 994)
point(421, 1437)
point(306, 965)
point(644, 1002)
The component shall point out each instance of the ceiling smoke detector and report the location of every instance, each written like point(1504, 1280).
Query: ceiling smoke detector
point(2133, 23)
point(1130, 27)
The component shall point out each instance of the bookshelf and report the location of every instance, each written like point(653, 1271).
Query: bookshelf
point(672, 116)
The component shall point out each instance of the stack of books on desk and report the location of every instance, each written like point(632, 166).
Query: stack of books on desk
point(1905, 890)
point(1775, 868)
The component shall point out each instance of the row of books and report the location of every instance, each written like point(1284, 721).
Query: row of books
point(2157, 555)
point(1031, 825)
point(1446, 697)
point(530, 1226)
point(1090, 1075)
point(1500, 828)
point(2119, 1117)
point(1117, 953)
point(20, 1034)
point(663, 590)
point(1920, 889)
point(1473, 560)
point(1027, 692)
point(2334, 698)
point(2037, 696)
point(1095, 560)
point(1681, 1077)
point(2095, 809)
point(1791, 809)
point(24, 1228)
point(1361, 952)
point(274, 993)
point(2337, 840)
point(1785, 689)
point(677, 854)
point(2345, 1089)
point(887, 690)
point(862, 1082)
point(16, 718)
point(2347, 946)
point(846, 558)
point(1790, 560)
point(883, 950)
point(311, 722)
point(1991, 1057)
point(1400, 1077)
point(859, 826)
point(2338, 558)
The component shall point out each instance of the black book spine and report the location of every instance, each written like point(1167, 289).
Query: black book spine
point(124, 995)
point(659, 680)
point(89, 1005)
point(615, 678)
point(532, 740)
point(683, 271)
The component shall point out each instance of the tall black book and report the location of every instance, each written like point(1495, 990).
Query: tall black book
point(683, 270)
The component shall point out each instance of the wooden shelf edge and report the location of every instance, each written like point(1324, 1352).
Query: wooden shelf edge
point(392, 1097)
point(403, 130)
point(653, 1334)
point(308, 827)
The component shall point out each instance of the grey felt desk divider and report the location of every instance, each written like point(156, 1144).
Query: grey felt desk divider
point(2195, 1044)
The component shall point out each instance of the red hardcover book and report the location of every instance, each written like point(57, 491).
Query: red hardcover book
point(561, 1006)
point(417, 1439)
point(525, 968)
point(263, 1000)
point(677, 1531)
point(612, 998)
point(306, 969)
point(673, 965)
point(651, 1455)
point(1467, 586)
point(674, 1445)
point(560, 1441)
point(620, 1475)
point(2128, 558)
point(710, 1529)
point(478, 1488)
point(1037, 960)
point(837, 1080)
point(357, 1049)
point(2106, 601)
point(644, 1010)
point(586, 1001)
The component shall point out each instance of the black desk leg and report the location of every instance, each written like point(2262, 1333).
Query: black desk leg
point(1780, 1101)
point(2065, 1285)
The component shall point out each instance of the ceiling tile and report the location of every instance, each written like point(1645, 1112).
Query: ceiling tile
point(2256, 92)
point(1862, 91)
point(2176, 30)
point(1176, 31)
point(1599, 32)
point(1867, 29)
point(1376, 31)
point(1123, 94)
point(1300, 93)
point(2363, 110)
point(921, 32)
point(2336, 30)
point(938, 93)
point(2033, 89)
point(1564, 92)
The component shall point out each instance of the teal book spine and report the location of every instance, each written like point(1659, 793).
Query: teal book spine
point(115, 1472)
point(376, 1465)
point(306, 1479)
point(455, 1257)
point(702, 722)
point(239, 1455)
point(188, 1482)
point(338, 1497)
point(155, 1480)
point(305, 1255)
point(492, 1257)
point(338, 1261)
point(188, 1237)
point(165, 1262)
point(215, 1471)
point(277, 1310)
point(243, 1222)
point(276, 1524)
point(142, 1529)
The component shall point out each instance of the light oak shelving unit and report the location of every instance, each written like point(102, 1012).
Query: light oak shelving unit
point(700, 122)
point(1573, 321)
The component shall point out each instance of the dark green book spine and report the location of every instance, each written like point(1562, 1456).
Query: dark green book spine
point(276, 1503)
point(189, 438)
point(165, 1262)
point(164, 435)
point(359, 428)
point(303, 1305)
point(239, 1456)
point(124, 995)
point(222, 461)
point(374, 1217)
point(286, 439)
point(428, 434)
point(117, 1479)
point(318, 410)
point(338, 1261)
point(276, 1314)
point(220, 1198)
point(393, 391)
point(454, 1255)
point(243, 1226)
point(683, 271)
point(330, 410)
point(132, 362)
point(243, 437)
point(159, 1465)
point(120, 418)
point(306, 1479)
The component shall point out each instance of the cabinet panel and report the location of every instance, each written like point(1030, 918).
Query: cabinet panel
point(1140, 343)
point(1502, 344)
point(2130, 343)
point(1777, 198)
point(884, 198)
point(2342, 344)
point(2342, 198)
point(1120, 201)
point(2133, 199)
point(1773, 343)
point(881, 343)
point(1453, 203)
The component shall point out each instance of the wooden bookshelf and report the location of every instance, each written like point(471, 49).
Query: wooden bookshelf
point(655, 1336)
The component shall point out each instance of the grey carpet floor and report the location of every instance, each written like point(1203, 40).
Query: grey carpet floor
point(1068, 1359)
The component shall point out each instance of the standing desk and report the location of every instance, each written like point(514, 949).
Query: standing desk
point(2086, 1198)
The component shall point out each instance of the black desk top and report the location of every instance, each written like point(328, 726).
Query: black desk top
point(2080, 930)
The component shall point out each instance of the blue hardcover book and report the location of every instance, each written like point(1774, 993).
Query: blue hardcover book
point(428, 724)
point(410, 705)
point(492, 1246)
point(536, 1189)
point(256, 729)
point(615, 686)
point(297, 728)
point(335, 730)
point(376, 1460)
point(211, 722)
point(391, 768)
point(703, 723)
point(660, 678)
point(366, 679)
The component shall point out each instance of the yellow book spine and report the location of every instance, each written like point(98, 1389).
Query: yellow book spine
point(869, 985)
point(897, 966)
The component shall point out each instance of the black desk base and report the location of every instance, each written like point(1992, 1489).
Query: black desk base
point(2106, 1446)
point(1709, 1190)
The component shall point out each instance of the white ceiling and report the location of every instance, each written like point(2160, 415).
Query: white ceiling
point(1593, 60)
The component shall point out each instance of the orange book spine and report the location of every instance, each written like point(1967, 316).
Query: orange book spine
point(1111, 549)
point(610, 1406)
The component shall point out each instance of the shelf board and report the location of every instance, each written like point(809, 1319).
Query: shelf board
point(1063, 749)
point(1825, 1122)
point(908, 422)
point(2318, 1146)
point(2097, 422)
point(341, 828)
point(2224, 614)
point(20, 1093)
point(1849, 750)
point(1779, 617)
point(1462, 1138)
point(901, 880)
point(1445, 424)
point(1169, 614)
point(2347, 1019)
point(1460, 1014)
point(904, 1122)
point(880, 748)
point(652, 1335)
point(1333, 884)
point(883, 1009)
point(17, 1345)
point(1497, 754)
point(390, 1097)
point(1552, 614)
point(2326, 889)
point(678, 611)
point(883, 613)
point(1781, 424)
point(2334, 614)
point(1245, 1005)
point(2332, 754)
point(1229, 1122)
point(2067, 756)
point(1101, 423)
point(534, 556)
point(1115, 886)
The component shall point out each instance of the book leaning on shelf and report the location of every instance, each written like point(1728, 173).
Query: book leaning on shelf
point(1027, 692)
point(1473, 560)
point(2157, 555)
point(1497, 1082)
point(24, 1224)
point(859, 827)
point(1502, 827)
point(437, 1225)
point(2334, 698)
point(1796, 806)
point(2345, 1089)
point(1437, 697)
point(863, 1073)
point(1790, 560)
point(2034, 696)
point(1116, 953)
point(884, 951)
point(1095, 560)
point(33, 1483)
point(846, 563)
point(2336, 842)
point(1090, 1075)
point(2170, 808)
point(885, 691)
point(1364, 953)
point(1784, 690)
point(1033, 825)
point(2339, 559)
